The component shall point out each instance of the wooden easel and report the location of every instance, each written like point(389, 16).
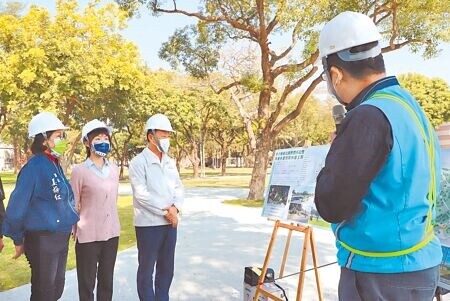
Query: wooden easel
point(307, 243)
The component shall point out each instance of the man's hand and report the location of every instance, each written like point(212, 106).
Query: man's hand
point(1, 244)
point(174, 222)
point(19, 251)
point(172, 215)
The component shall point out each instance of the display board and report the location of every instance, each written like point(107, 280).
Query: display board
point(443, 218)
point(290, 194)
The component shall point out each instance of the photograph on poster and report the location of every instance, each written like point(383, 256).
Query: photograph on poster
point(290, 195)
point(278, 195)
point(442, 227)
point(302, 206)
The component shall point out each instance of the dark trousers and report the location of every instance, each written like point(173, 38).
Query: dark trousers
point(411, 286)
point(96, 260)
point(46, 253)
point(156, 246)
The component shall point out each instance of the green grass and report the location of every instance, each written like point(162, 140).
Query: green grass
point(224, 182)
point(320, 223)
point(14, 273)
point(245, 202)
point(186, 173)
point(8, 177)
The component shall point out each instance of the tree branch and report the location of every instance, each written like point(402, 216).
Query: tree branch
point(294, 40)
point(246, 119)
point(288, 90)
point(274, 21)
point(199, 16)
point(278, 127)
point(394, 25)
point(295, 67)
point(253, 32)
point(209, 19)
point(224, 88)
point(262, 21)
point(378, 10)
point(403, 44)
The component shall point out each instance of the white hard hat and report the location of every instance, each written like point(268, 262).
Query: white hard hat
point(92, 125)
point(159, 122)
point(44, 122)
point(347, 30)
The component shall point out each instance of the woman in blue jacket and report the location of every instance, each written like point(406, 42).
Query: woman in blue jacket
point(41, 211)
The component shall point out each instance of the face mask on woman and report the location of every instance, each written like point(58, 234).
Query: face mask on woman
point(59, 148)
point(101, 147)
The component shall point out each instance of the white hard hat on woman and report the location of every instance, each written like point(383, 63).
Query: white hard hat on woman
point(44, 122)
point(100, 147)
point(42, 128)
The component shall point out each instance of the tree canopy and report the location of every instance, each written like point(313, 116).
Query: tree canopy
point(433, 95)
point(283, 69)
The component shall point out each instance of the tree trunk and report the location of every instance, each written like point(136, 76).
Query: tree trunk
point(195, 160)
point(66, 161)
point(179, 156)
point(223, 158)
point(202, 159)
point(123, 158)
point(248, 156)
point(17, 156)
point(257, 183)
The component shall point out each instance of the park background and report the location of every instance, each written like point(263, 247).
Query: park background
point(85, 60)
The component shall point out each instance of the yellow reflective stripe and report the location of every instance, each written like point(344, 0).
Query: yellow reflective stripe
point(429, 231)
point(429, 144)
point(430, 147)
point(414, 248)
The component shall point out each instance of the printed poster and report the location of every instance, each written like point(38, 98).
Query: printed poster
point(443, 218)
point(290, 195)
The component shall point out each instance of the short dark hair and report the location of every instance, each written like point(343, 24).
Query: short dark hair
point(150, 132)
point(91, 136)
point(38, 143)
point(362, 68)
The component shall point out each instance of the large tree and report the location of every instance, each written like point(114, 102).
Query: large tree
point(283, 70)
point(313, 126)
point(433, 94)
point(421, 25)
point(74, 63)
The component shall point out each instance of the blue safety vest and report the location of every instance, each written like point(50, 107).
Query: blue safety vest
point(393, 231)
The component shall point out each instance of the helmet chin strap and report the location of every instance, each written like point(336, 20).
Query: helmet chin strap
point(330, 86)
point(158, 145)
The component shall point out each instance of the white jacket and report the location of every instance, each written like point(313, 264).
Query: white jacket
point(156, 185)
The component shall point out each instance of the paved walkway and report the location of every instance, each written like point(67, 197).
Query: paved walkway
point(215, 243)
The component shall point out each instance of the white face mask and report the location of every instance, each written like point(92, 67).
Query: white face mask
point(164, 144)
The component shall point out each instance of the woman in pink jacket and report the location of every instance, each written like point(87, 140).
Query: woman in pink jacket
point(95, 184)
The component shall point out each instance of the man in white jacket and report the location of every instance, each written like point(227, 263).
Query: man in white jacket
point(157, 200)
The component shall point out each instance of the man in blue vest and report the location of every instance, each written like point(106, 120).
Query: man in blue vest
point(378, 187)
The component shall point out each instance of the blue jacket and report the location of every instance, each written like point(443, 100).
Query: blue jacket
point(41, 201)
point(393, 213)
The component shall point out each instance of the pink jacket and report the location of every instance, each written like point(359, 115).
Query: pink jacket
point(96, 199)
